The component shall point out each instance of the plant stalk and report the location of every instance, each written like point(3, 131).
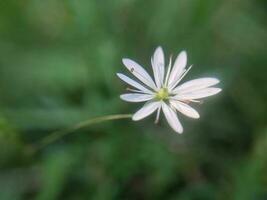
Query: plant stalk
point(56, 135)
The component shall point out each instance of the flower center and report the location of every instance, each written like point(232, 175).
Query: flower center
point(162, 94)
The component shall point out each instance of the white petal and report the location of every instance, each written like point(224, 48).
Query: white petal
point(133, 83)
point(135, 97)
point(198, 94)
point(139, 72)
point(158, 66)
point(178, 68)
point(146, 110)
point(196, 84)
point(172, 118)
point(185, 109)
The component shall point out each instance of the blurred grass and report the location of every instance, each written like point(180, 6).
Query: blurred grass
point(58, 61)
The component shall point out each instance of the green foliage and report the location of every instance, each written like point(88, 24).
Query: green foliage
point(58, 64)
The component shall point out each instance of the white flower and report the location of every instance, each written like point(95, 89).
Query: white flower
point(163, 92)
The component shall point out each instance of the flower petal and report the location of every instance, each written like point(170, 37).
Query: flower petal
point(158, 66)
point(198, 94)
point(196, 84)
point(134, 83)
point(135, 97)
point(185, 109)
point(172, 118)
point(146, 110)
point(139, 72)
point(178, 68)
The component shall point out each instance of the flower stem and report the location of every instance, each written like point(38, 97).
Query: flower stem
point(56, 135)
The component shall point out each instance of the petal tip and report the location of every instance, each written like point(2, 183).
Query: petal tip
point(134, 118)
point(218, 81)
point(215, 80)
point(158, 51)
point(183, 55)
point(124, 60)
point(183, 52)
point(197, 115)
point(121, 97)
point(119, 74)
point(180, 131)
point(218, 90)
point(159, 48)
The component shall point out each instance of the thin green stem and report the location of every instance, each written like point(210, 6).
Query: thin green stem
point(56, 135)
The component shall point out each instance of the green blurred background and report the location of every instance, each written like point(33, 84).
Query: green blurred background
point(58, 60)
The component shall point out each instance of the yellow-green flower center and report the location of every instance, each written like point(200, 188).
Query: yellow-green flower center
point(162, 94)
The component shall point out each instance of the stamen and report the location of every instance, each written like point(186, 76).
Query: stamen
point(187, 101)
point(183, 75)
point(168, 72)
point(133, 90)
point(157, 117)
point(197, 101)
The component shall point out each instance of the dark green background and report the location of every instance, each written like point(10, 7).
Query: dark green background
point(58, 60)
